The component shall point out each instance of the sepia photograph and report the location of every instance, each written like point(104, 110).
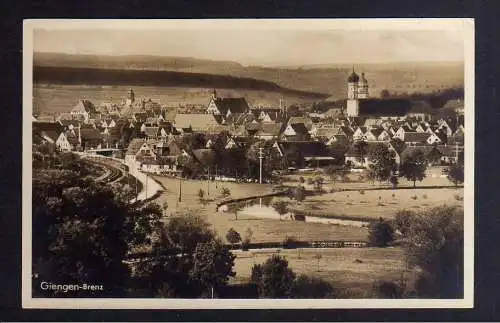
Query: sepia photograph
point(248, 163)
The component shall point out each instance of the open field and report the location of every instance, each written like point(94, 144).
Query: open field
point(264, 230)
point(350, 268)
point(50, 99)
point(367, 205)
point(330, 79)
point(434, 177)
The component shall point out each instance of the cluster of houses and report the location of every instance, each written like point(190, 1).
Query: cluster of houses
point(150, 136)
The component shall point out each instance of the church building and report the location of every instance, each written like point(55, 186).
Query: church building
point(227, 106)
point(357, 89)
point(360, 104)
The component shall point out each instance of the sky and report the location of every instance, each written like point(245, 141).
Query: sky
point(273, 47)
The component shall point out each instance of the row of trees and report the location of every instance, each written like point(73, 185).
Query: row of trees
point(237, 162)
point(383, 166)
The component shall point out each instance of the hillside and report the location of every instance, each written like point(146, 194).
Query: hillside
point(397, 77)
point(99, 76)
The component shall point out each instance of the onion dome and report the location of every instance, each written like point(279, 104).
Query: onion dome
point(353, 78)
point(363, 79)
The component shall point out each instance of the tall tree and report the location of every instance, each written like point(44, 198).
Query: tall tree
point(212, 265)
point(281, 207)
point(361, 146)
point(414, 166)
point(274, 278)
point(175, 254)
point(435, 243)
point(455, 173)
point(83, 231)
point(382, 163)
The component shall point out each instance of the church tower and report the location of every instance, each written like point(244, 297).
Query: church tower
point(363, 87)
point(214, 95)
point(352, 94)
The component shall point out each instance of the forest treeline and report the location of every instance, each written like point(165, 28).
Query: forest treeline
point(97, 76)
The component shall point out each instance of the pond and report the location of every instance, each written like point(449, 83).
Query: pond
point(262, 208)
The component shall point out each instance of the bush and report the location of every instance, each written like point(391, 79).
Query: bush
point(233, 236)
point(311, 287)
point(274, 278)
point(362, 192)
point(381, 234)
point(424, 196)
point(414, 197)
point(458, 197)
point(386, 289)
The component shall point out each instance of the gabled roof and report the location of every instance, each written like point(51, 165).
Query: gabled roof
point(197, 121)
point(50, 134)
point(420, 137)
point(269, 129)
point(84, 106)
point(170, 116)
point(90, 134)
point(376, 131)
point(216, 129)
point(407, 128)
point(345, 130)
point(38, 127)
point(235, 105)
point(327, 132)
point(446, 150)
point(339, 141)
point(362, 129)
point(151, 131)
point(134, 146)
point(299, 128)
point(354, 152)
point(305, 120)
point(306, 148)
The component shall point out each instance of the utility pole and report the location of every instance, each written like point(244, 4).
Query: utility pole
point(261, 156)
point(216, 176)
point(208, 182)
point(180, 189)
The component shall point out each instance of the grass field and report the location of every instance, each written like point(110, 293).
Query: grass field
point(331, 79)
point(434, 177)
point(49, 99)
point(354, 204)
point(263, 229)
point(346, 268)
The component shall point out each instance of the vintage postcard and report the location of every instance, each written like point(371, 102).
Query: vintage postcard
point(255, 163)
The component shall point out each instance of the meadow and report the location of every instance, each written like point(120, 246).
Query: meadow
point(363, 199)
point(351, 271)
point(55, 99)
point(263, 230)
point(330, 79)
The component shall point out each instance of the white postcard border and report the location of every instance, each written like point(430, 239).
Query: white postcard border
point(462, 24)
